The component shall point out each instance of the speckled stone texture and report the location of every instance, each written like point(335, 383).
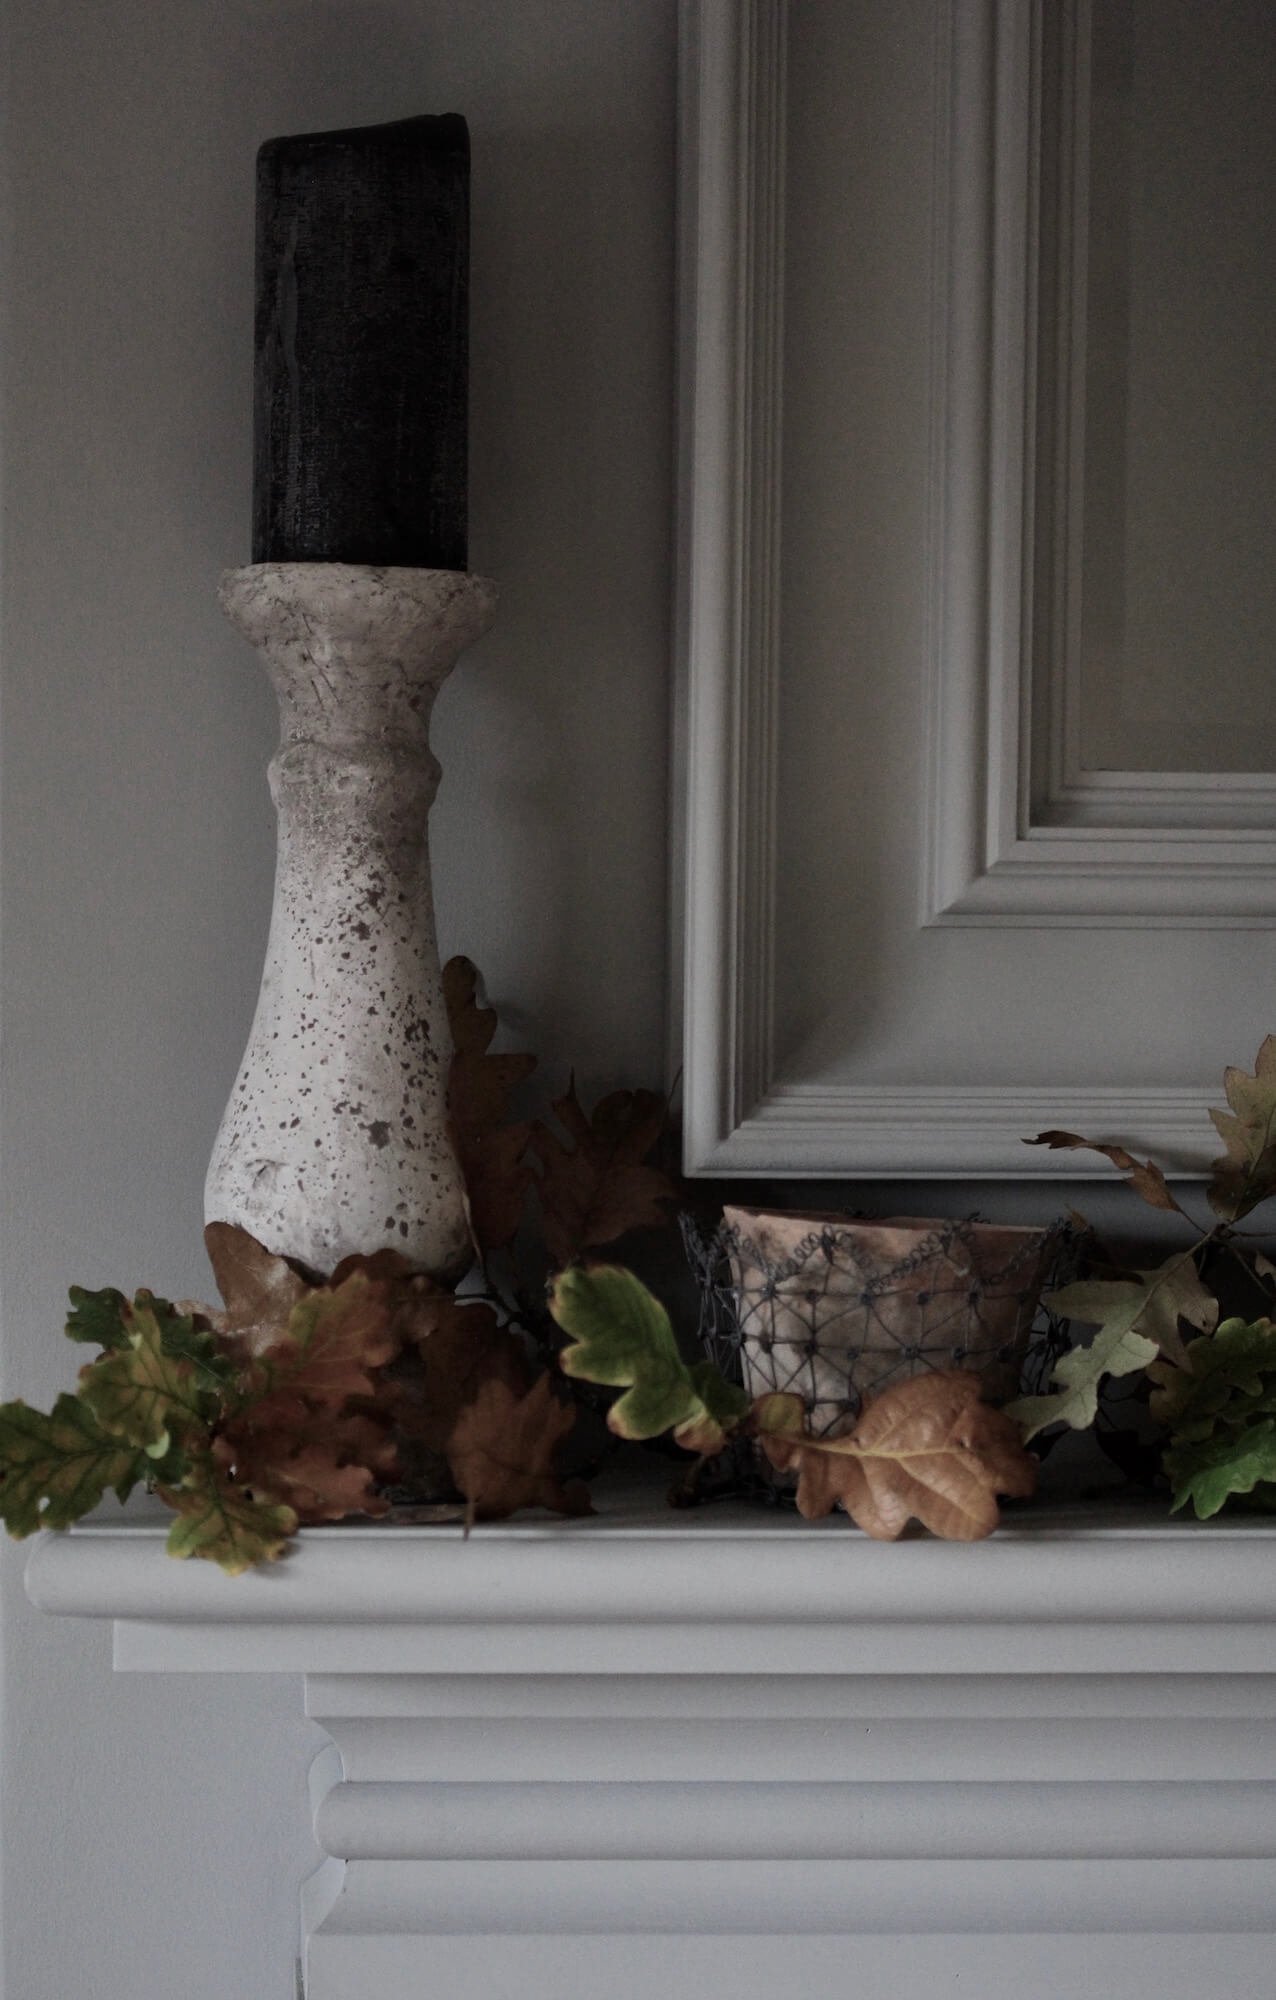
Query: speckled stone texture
point(334, 1140)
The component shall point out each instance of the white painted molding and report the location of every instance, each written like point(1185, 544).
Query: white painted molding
point(1100, 848)
point(731, 264)
point(652, 1726)
point(959, 1131)
point(643, 1588)
point(740, 1117)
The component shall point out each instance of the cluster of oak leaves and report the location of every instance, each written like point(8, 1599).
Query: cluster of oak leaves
point(305, 1399)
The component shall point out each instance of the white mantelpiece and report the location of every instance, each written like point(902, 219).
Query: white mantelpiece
point(733, 1754)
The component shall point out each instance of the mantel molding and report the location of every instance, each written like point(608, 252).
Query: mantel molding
point(726, 1590)
point(567, 1758)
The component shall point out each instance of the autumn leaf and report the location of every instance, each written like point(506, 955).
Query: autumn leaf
point(166, 1384)
point(259, 1290)
point(928, 1449)
point(57, 1468)
point(1246, 1173)
point(460, 1346)
point(223, 1522)
point(1229, 1378)
point(623, 1339)
point(480, 1086)
point(323, 1475)
point(1209, 1472)
point(100, 1317)
point(333, 1341)
point(1138, 1318)
point(1146, 1177)
point(502, 1453)
point(599, 1187)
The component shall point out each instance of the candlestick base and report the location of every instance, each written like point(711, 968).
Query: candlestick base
point(335, 1140)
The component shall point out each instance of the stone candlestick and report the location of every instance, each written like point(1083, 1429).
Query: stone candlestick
point(335, 1137)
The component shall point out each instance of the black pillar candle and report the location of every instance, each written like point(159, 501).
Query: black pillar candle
point(359, 448)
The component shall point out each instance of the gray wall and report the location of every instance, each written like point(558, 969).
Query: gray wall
point(153, 1827)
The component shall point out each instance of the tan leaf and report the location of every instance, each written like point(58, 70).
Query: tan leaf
point(480, 1086)
point(502, 1453)
point(599, 1187)
point(1246, 1173)
point(386, 1267)
point(1146, 1177)
point(927, 1449)
point(258, 1289)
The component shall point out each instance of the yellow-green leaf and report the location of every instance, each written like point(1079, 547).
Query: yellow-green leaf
point(225, 1523)
point(622, 1338)
point(164, 1385)
point(55, 1468)
point(1133, 1317)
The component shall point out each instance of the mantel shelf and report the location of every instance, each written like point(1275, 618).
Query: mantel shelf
point(580, 1756)
point(640, 1587)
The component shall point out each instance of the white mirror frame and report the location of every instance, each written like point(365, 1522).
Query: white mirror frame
point(1212, 857)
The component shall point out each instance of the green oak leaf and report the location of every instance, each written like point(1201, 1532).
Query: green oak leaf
point(1116, 1306)
point(167, 1384)
point(1246, 1173)
point(101, 1317)
point(1209, 1472)
point(623, 1339)
point(223, 1522)
point(55, 1468)
point(1230, 1378)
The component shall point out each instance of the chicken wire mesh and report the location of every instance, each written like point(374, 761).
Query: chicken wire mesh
point(836, 1309)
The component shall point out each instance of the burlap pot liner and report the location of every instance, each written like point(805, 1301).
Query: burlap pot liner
point(835, 1310)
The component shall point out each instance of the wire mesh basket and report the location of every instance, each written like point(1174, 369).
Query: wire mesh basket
point(836, 1308)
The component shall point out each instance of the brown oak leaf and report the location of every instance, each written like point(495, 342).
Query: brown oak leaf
point(502, 1453)
point(322, 1474)
point(1146, 1177)
point(480, 1086)
point(600, 1186)
point(456, 1347)
point(331, 1354)
point(927, 1449)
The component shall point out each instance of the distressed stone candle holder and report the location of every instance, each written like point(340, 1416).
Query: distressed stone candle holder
point(335, 1139)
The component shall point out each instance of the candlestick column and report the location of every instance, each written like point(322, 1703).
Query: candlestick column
point(335, 1138)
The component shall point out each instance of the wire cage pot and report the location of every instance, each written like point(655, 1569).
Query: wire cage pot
point(837, 1308)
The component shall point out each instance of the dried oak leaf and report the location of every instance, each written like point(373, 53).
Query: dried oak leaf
point(1246, 1173)
point(480, 1086)
point(456, 1348)
point(927, 1449)
point(323, 1473)
point(599, 1187)
point(259, 1290)
point(311, 1429)
point(1146, 1177)
point(502, 1453)
point(333, 1341)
